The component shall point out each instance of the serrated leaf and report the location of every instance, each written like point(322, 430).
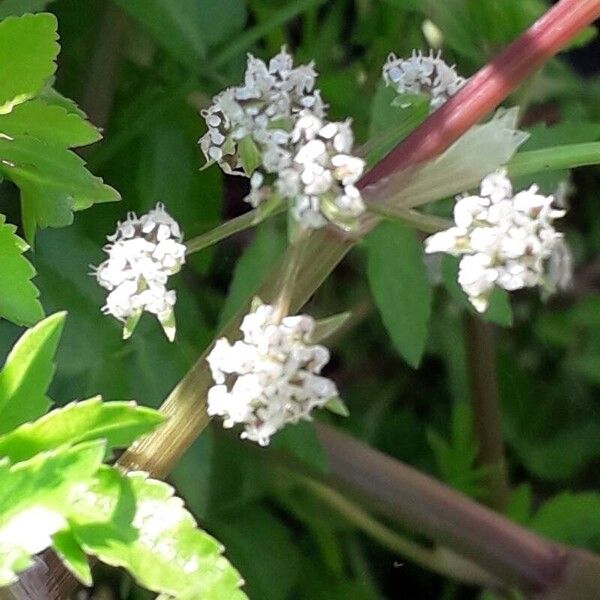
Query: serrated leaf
point(53, 181)
point(50, 123)
point(571, 518)
point(35, 501)
point(19, 298)
point(28, 372)
point(118, 423)
point(400, 287)
point(72, 556)
point(163, 549)
point(28, 49)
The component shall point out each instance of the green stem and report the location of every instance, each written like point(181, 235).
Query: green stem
point(460, 570)
point(289, 275)
point(555, 158)
point(223, 231)
point(410, 217)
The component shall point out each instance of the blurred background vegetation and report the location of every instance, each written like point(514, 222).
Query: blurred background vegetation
point(142, 70)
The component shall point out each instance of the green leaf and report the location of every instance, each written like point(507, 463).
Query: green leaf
point(270, 561)
point(249, 155)
point(456, 458)
point(73, 557)
point(118, 423)
point(28, 372)
point(163, 550)
point(50, 123)
point(35, 501)
point(28, 49)
point(400, 288)
point(570, 518)
point(257, 260)
point(19, 299)
point(174, 24)
point(53, 181)
point(518, 507)
point(392, 121)
point(301, 441)
point(21, 7)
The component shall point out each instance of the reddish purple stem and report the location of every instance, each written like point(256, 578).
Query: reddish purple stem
point(488, 87)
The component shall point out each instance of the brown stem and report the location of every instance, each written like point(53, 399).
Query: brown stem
point(513, 554)
point(487, 412)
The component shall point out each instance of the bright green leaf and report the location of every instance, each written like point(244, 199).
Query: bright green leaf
point(73, 557)
point(164, 550)
point(35, 501)
point(50, 123)
point(28, 49)
point(118, 423)
point(28, 372)
point(400, 288)
point(53, 181)
point(19, 298)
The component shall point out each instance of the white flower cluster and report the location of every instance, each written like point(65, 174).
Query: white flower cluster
point(423, 74)
point(143, 253)
point(262, 110)
point(320, 180)
point(273, 129)
point(504, 240)
point(271, 377)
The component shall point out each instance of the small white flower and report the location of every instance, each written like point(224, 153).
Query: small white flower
point(269, 378)
point(320, 180)
point(504, 240)
point(263, 110)
point(143, 253)
point(423, 74)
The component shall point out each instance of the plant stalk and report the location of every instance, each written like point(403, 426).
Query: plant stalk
point(487, 411)
point(488, 87)
point(186, 406)
point(516, 556)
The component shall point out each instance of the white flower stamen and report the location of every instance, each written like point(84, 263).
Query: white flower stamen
point(423, 74)
point(271, 377)
point(143, 253)
point(504, 240)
